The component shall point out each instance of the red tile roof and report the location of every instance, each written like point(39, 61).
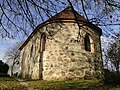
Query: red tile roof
point(68, 14)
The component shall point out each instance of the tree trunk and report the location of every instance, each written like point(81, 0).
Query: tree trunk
point(12, 67)
point(12, 70)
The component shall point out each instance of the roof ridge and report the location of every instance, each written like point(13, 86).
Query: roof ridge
point(68, 13)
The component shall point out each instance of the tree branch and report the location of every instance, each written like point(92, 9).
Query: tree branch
point(84, 10)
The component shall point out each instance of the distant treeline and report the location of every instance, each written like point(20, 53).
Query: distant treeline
point(3, 68)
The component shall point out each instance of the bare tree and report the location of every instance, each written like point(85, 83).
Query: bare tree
point(12, 56)
point(113, 53)
point(20, 17)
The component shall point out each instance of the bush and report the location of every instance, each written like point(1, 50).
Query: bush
point(3, 68)
point(4, 75)
point(111, 77)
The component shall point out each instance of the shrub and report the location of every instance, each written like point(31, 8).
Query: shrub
point(3, 68)
point(111, 77)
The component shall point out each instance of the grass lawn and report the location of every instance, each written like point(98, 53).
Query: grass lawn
point(11, 84)
point(7, 83)
point(72, 85)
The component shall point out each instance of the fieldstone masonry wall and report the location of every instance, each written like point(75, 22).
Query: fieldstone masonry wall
point(29, 58)
point(64, 57)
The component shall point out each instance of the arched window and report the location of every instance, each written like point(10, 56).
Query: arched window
point(87, 43)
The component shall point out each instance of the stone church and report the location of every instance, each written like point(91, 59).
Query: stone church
point(64, 47)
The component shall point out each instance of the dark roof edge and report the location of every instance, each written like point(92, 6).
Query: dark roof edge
point(95, 27)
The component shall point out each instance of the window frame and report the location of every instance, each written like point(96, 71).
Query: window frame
point(91, 40)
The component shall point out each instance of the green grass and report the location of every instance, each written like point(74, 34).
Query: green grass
point(72, 85)
point(7, 83)
point(11, 84)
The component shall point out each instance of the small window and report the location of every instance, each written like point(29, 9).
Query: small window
point(43, 41)
point(87, 44)
point(31, 52)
